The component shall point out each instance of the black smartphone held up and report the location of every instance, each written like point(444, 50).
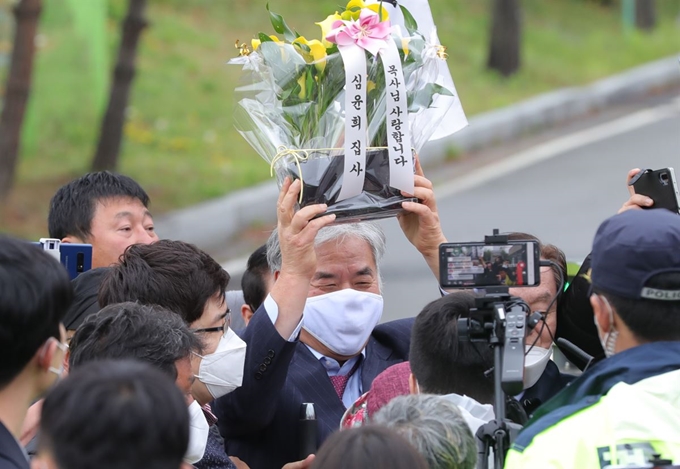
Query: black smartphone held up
point(480, 265)
point(660, 186)
point(76, 258)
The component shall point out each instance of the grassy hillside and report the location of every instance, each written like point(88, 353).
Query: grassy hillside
point(179, 139)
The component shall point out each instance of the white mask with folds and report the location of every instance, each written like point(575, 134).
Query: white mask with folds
point(343, 320)
point(222, 371)
point(535, 360)
point(198, 434)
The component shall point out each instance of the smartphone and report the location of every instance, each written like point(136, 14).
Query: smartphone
point(660, 186)
point(480, 265)
point(76, 258)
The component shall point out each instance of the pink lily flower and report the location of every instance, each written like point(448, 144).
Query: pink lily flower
point(369, 32)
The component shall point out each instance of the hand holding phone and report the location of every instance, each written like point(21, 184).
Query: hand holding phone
point(660, 186)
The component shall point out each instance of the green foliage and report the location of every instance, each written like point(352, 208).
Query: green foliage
point(280, 25)
point(409, 20)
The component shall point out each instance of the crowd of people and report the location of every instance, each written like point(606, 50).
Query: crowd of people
point(146, 361)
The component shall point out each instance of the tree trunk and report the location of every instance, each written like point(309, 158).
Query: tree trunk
point(645, 14)
point(17, 90)
point(504, 50)
point(110, 137)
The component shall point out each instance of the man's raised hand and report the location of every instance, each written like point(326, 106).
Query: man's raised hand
point(636, 201)
point(421, 223)
point(296, 231)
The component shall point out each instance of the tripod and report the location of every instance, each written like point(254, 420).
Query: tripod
point(504, 331)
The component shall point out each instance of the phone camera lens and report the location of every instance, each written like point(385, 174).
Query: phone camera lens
point(663, 177)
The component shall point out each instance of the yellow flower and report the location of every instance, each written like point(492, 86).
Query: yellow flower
point(370, 86)
point(316, 54)
point(326, 26)
point(404, 44)
point(255, 43)
point(375, 7)
point(302, 81)
point(354, 7)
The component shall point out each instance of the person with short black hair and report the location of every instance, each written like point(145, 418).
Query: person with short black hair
point(187, 281)
point(622, 410)
point(190, 283)
point(133, 331)
point(173, 274)
point(151, 334)
point(256, 282)
point(35, 293)
point(113, 414)
point(104, 209)
point(442, 363)
point(368, 447)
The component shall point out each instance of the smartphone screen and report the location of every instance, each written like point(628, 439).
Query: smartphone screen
point(479, 265)
point(660, 186)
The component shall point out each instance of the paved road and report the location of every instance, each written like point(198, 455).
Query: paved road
point(568, 185)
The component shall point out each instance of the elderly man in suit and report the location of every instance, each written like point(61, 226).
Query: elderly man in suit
point(315, 338)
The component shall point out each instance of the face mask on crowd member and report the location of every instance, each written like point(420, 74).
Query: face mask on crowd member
point(343, 320)
point(607, 339)
point(535, 360)
point(344, 303)
point(222, 371)
point(198, 434)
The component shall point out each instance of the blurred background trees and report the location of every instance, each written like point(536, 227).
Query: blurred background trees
point(111, 134)
point(505, 43)
point(26, 14)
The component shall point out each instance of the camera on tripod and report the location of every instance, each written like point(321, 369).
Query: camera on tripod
point(499, 319)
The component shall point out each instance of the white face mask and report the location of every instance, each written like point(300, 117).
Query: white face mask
point(60, 371)
point(198, 434)
point(222, 371)
point(608, 342)
point(342, 320)
point(535, 361)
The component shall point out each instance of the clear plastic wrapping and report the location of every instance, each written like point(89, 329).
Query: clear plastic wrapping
point(292, 109)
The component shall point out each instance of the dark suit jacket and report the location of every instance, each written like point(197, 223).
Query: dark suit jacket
point(259, 421)
point(548, 385)
point(11, 456)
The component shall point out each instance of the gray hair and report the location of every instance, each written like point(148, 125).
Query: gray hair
point(434, 426)
point(368, 231)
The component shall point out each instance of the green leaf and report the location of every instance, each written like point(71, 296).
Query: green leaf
point(264, 38)
point(280, 25)
point(286, 94)
point(423, 98)
point(409, 21)
point(310, 83)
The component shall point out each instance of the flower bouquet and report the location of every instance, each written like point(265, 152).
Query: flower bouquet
point(345, 113)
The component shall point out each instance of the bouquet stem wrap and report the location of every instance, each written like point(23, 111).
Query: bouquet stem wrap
point(346, 113)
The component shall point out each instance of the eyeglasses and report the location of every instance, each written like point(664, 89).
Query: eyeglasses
point(223, 328)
